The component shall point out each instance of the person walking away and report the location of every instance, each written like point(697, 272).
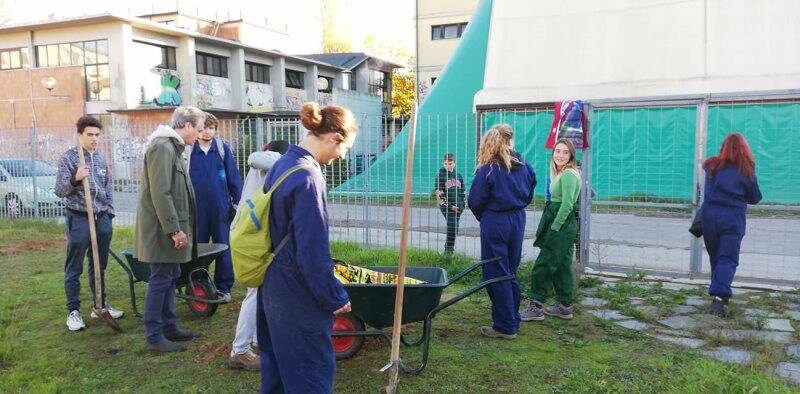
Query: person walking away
point(165, 229)
point(69, 186)
point(243, 355)
point(450, 194)
point(300, 294)
point(502, 188)
point(555, 238)
point(731, 184)
point(217, 187)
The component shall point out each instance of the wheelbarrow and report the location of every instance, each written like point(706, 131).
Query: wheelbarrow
point(373, 305)
point(194, 285)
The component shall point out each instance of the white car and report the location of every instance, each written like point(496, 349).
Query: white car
point(17, 187)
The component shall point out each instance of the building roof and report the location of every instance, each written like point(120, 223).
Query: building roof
point(146, 24)
point(347, 60)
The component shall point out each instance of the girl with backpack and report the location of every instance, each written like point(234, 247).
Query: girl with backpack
point(300, 295)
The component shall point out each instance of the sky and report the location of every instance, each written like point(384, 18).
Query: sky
point(386, 20)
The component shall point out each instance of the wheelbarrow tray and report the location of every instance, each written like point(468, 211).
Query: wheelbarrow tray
point(374, 303)
point(206, 253)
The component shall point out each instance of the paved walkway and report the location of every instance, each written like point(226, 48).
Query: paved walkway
point(677, 314)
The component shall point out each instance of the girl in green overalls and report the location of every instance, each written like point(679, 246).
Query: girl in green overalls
point(555, 237)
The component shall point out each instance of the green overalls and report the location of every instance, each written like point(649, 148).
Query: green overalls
point(555, 238)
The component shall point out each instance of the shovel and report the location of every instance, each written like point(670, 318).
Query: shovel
point(99, 308)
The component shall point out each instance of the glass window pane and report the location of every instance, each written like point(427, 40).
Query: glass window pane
point(436, 32)
point(102, 51)
point(52, 55)
point(209, 66)
point(90, 50)
point(200, 63)
point(92, 83)
point(15, 60)
point(64, 55)
point(248, 74)
point(223, 69)
point(171, 58)
point(451, 31)
point(5, 60)
point(105, 82)
point(41, 56)
point(26, 61)
point(77, 53)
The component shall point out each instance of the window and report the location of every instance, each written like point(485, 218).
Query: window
point(14, 58)
point(378, 84)
point(155, 56)
point(295, 79)
point(254, 72)
point(329, 88)
point(445, 32)
point(433, 79)
point(351, 78)
point(216, 66)
point(92, 55)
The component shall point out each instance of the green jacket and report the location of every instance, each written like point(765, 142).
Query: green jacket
point(166, 202)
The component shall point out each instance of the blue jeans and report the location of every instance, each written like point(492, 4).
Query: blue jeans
point(159, 303)
point(79, 246)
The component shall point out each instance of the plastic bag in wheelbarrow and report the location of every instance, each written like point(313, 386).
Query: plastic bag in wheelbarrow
point(347, 273)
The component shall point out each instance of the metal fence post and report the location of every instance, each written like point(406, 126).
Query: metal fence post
point(700, 141)
point(34, 182)
point(586, 193)
point(364, 170)
point(259, 133)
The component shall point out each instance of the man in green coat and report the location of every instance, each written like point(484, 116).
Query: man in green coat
point(165, 225)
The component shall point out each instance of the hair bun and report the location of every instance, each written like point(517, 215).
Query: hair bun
point(311, 116)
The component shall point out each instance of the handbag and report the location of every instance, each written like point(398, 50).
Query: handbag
point(697, 223)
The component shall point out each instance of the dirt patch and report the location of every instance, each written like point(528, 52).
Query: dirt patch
point(211, 351)
point(26, 246)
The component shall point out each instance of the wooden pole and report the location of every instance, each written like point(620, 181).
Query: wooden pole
point(394, 372)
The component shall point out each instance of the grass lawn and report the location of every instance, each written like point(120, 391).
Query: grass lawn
point(38, 354)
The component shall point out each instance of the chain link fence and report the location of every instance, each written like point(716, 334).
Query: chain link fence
point(642, 176)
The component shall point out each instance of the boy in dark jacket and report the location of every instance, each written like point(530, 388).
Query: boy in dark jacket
point(450, 193)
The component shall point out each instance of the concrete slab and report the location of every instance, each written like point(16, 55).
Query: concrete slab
point(731, 355)
point(789, 371)
point(690, 343)
point(609, 314)
point(684, 309)
point(679, 322)
point(756, 335)
point(633, 325)
point(593, 302)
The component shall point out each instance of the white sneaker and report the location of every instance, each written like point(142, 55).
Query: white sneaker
point(224, 297)
point(74, 321)
point(115, 313)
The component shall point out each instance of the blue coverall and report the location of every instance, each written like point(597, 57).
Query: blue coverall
point(727, 194)
point(498, 198)
point(300, 293)
point(217, 186)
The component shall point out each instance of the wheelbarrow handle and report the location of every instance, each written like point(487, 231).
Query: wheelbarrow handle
point(471, 268)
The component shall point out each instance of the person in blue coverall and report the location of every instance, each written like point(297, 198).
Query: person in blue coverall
point(300, 295)
point(217, 187)
point(730, 185)
point(502, 188)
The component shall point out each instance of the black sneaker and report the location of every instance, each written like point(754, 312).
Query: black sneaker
point(165, 346)
point(718, 307)
point(180, 334)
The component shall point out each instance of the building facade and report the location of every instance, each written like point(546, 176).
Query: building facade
point(440, 24)
point(143, 67)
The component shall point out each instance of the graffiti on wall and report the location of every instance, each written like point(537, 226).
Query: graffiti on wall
point(325, 98)
point(160, 87)
point(295, 99)
point(258, 97)
point(212, 92)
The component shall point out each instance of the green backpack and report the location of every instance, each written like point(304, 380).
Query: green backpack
point(251, 243)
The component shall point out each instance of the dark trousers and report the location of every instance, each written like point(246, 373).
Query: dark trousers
point(214, 226)
point(452, 219)
point(553, 266)
point(79, 246)
point(723, 230)
point(159, 303)
point(502, 234)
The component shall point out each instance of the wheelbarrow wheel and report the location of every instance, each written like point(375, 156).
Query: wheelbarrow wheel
point(346, 347)
point(202, 289)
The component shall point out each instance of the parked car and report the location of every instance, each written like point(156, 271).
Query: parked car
point(17, 187)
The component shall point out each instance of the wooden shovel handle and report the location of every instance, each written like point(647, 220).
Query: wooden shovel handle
point(87, 196)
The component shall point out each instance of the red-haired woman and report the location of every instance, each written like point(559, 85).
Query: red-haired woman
point(730, 185)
